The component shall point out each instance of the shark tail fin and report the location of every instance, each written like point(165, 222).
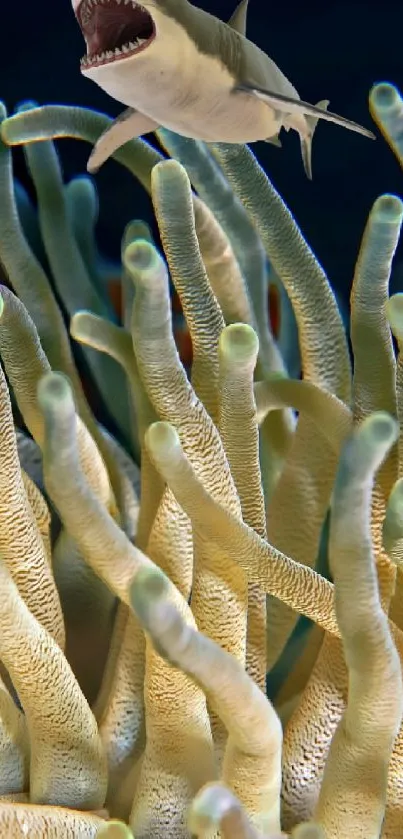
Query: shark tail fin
point(306, 139)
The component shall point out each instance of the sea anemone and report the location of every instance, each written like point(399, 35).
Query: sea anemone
point(157, 678)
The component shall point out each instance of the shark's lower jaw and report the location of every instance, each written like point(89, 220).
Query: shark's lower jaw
point(113, 30)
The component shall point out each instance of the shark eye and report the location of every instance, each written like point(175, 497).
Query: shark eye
point(113, 29)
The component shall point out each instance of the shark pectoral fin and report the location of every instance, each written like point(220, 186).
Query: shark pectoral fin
point(288, 105)
point(129, 124)
point(237, 20)
point(274, 141)
point(306, 139)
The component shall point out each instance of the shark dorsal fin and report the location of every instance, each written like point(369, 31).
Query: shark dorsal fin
point(237, 20)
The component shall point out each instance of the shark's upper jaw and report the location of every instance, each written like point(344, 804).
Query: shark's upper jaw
point(113, 30)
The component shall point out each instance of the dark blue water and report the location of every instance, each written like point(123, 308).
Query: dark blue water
point(335, 49)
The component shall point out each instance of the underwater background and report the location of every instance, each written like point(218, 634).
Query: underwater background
point(335, 49)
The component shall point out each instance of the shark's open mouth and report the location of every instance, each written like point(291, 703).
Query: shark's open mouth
point(113, 29)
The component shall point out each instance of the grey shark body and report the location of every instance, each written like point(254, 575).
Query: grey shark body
point(175, 65)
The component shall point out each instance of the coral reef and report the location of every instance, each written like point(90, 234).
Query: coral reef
point(210, 644)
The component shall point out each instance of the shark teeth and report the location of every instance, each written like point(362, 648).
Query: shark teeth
point(107, 55)
point(87, 6)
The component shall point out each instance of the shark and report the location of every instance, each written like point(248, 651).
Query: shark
point(176, 66)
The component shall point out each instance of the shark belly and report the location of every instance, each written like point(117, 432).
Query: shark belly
point(188, 92)
point(205, 107)
point(223, 119)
